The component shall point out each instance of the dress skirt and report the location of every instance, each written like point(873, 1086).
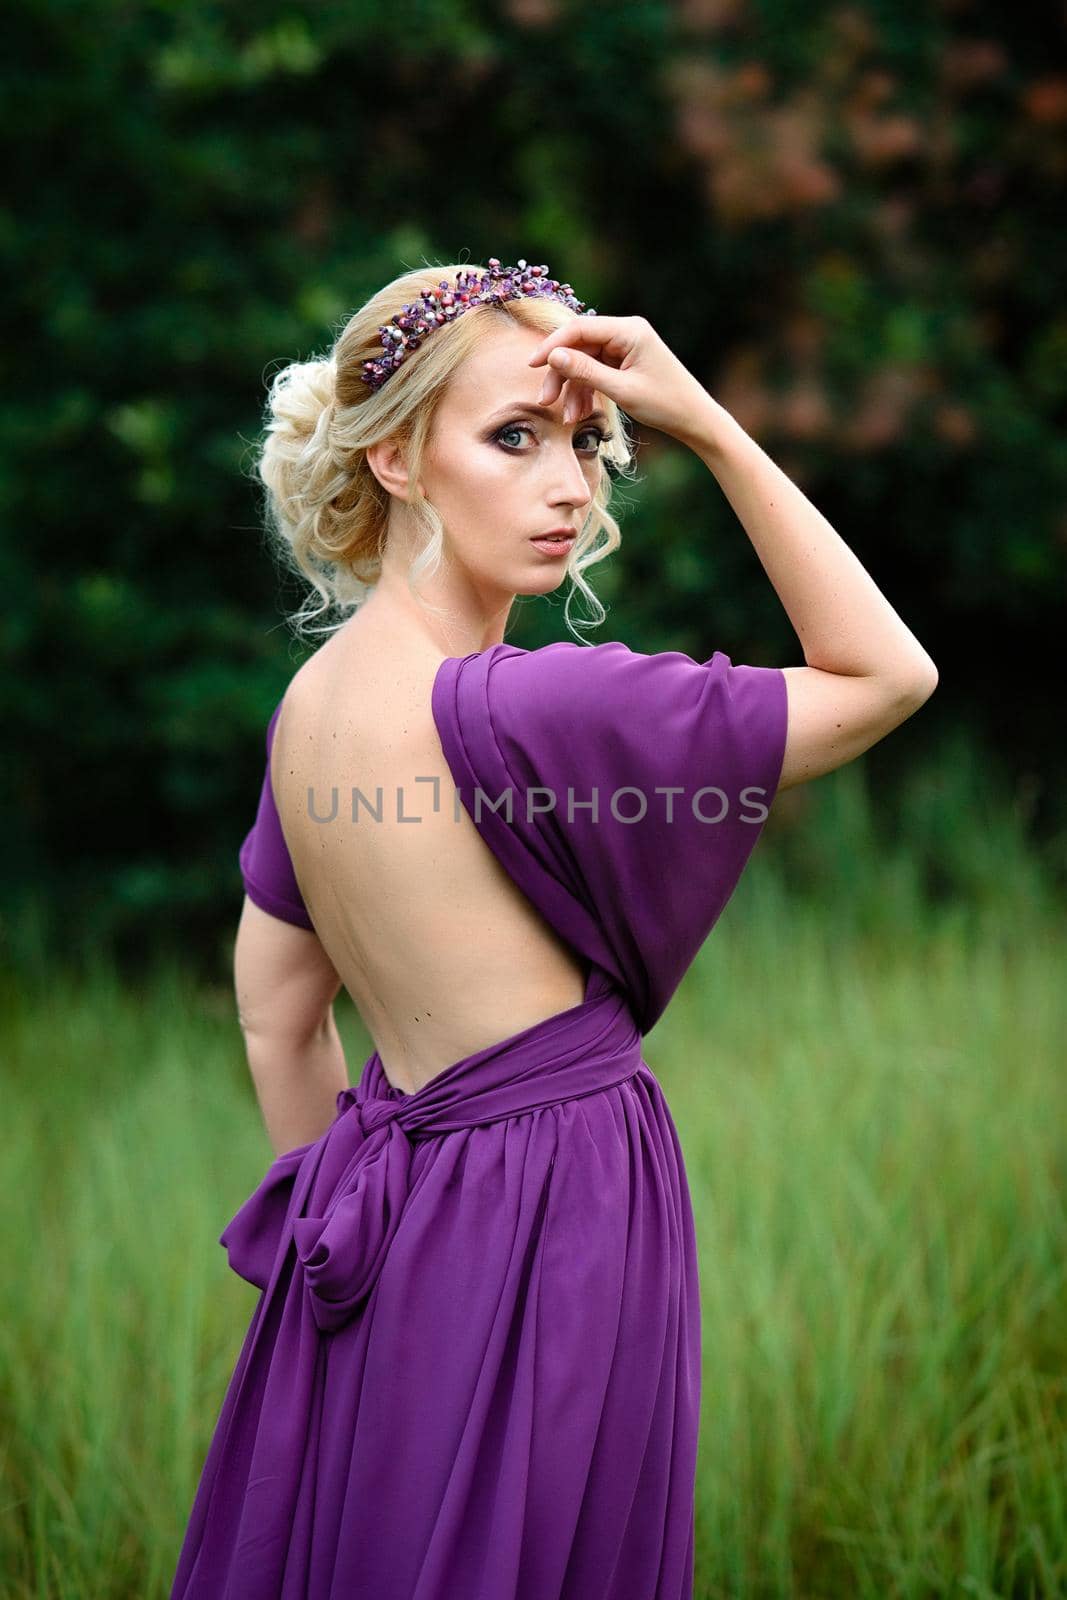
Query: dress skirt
point(473, 1372)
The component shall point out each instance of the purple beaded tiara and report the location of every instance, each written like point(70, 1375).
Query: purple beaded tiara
point(444, 302)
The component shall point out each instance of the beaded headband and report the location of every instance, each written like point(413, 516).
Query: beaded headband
point(444, 302)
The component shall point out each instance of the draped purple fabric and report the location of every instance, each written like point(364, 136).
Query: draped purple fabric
point(691, 752)
point(473, 1372)
point(266, 866)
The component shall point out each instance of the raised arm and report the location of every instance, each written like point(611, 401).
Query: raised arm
point(866, 672)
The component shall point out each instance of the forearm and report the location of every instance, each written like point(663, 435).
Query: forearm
point(297, 1084)
point(843, 621)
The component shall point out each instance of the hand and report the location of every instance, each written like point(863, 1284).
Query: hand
point(626, 360)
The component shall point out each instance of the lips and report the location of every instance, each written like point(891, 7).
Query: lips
point(554, 544)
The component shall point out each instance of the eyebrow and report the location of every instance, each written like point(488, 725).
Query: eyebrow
point(527, 408)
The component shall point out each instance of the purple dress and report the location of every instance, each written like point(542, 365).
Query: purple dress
point(473, 1371)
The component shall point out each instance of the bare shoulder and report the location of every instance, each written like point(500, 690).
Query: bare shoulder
point(367, 677)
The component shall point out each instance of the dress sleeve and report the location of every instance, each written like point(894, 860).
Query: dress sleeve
point(266, 865)
point(684, 757)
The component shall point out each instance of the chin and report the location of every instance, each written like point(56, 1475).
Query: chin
point(542, 583)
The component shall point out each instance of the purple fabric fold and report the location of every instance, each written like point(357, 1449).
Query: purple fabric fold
point(342, 1252)
point(681, 760)
point(266, 865)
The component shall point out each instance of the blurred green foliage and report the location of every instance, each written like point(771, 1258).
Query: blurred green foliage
point(842, 216)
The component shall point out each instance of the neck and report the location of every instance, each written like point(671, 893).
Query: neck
point(462, 620)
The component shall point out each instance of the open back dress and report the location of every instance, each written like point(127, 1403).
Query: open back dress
point(473, 1370)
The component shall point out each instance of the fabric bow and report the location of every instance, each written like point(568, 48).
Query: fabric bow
point(342, 1250)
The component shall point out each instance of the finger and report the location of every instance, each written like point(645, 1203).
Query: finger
point(552, 387)
point(580, 370)
point(579, 396)
point(556, 337)
point(595, 332)
point(579, 401)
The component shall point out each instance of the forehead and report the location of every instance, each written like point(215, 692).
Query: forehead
point(499, 371)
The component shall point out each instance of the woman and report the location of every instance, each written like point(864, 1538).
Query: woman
point(474, 1369)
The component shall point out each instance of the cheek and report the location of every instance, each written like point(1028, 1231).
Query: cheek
point(480, 473)
point(479, 499)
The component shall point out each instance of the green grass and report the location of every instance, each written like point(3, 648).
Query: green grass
point(869, 1089)
point(875, 1140)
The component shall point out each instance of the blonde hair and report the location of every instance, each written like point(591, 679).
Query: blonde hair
point(325, 511)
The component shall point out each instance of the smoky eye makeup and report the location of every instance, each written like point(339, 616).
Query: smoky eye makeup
point(518, 426)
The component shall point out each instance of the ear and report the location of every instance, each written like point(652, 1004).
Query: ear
point(386, 461)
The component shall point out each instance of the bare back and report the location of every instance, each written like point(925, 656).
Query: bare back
point(441, 952)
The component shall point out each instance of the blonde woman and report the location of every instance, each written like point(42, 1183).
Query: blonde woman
point(473, 1372)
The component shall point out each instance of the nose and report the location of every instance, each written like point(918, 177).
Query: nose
point(574, 487)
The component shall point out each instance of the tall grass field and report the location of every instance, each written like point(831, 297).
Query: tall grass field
point(869, 1084)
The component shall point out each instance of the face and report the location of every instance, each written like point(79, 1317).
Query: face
point(500, 468)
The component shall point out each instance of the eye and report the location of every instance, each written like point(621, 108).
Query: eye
point(510, 427)
point(600, 438)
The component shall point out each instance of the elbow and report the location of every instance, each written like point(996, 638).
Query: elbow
point(914, 691)
point(927, 682)
point(914, 677)
point(274, 1032)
